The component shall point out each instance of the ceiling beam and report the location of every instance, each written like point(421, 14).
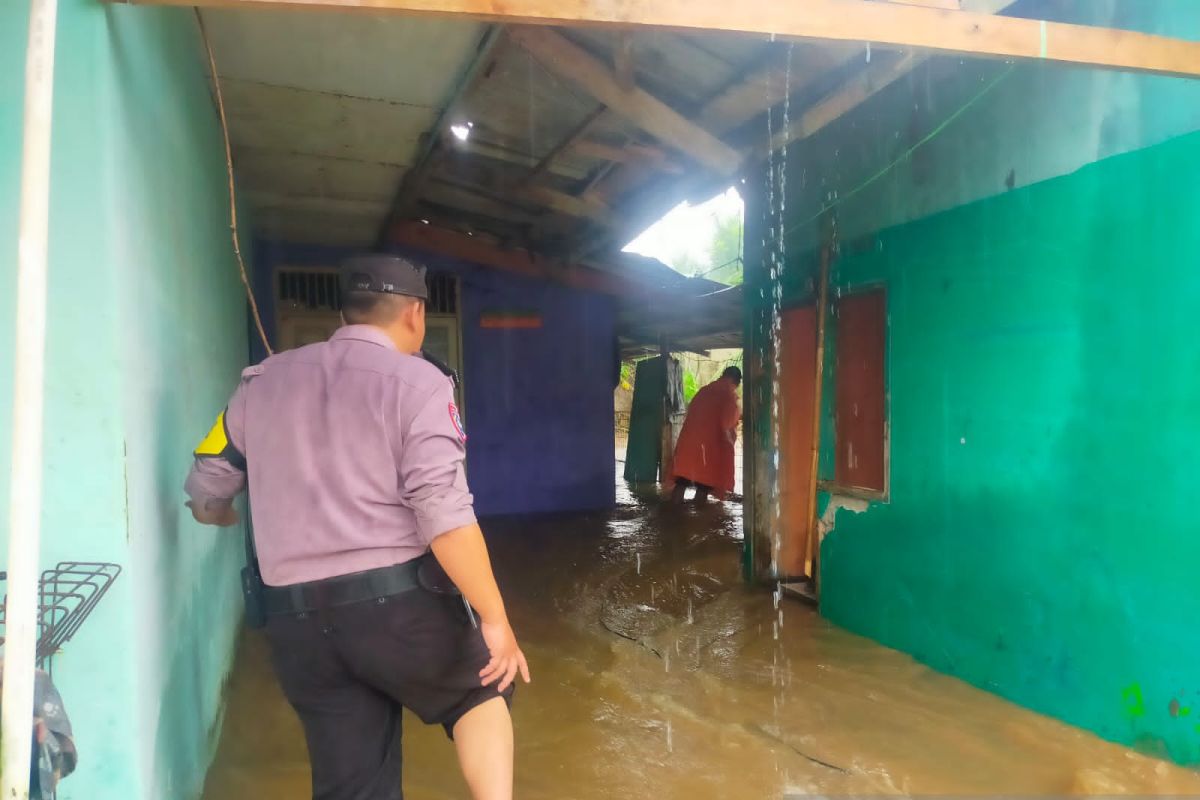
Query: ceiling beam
point(865, 84)
point(568, 60)
point(584, 207)
point(477, 250)
point(900, 24)
point(414, 180)
point(624, 62)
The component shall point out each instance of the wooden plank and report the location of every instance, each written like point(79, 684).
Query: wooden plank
point(904, 25)
point(560, 55)
point(440, 241)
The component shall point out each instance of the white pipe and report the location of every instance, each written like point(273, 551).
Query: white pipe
point(25, 488)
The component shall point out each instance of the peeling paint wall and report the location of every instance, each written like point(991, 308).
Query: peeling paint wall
point(1034, 227)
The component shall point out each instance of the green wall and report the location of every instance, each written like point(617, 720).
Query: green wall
point(147, 334)
point(1044, 374)
point(1034, 227)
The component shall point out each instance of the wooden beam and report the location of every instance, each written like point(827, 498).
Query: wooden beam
point(583, 207)
point(640, 154)
point(477, 250)
point(903, 25)
point(576, 135)
point(624, 62)
point(563, 57)
point(474, 201)
point(413, 181)
point(864, 84)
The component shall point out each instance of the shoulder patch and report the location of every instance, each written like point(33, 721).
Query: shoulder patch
point(214, 444)
point(250, 372)
point(456, 421)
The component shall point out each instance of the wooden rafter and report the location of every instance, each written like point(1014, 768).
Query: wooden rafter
point(569, 60)
point(900, 24)
point(479, 250)
point(413, 181)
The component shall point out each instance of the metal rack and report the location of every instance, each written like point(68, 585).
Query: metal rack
point(67, 595)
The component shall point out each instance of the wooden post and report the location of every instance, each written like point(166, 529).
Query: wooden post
point(818, 385)
point(666, 457)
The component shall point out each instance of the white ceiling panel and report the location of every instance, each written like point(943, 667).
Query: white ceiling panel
point(399, 58)
point(318, 123)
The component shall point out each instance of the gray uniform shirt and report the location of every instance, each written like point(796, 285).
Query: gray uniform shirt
point(354, 454)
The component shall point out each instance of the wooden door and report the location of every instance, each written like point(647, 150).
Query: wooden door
point(798, 362)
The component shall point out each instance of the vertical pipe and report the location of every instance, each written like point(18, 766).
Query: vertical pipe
point(818, 386)
point(25, 483)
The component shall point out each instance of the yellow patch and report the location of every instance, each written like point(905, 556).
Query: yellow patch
point(215, 443)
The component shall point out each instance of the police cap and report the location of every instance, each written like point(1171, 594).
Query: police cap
point(384, 274)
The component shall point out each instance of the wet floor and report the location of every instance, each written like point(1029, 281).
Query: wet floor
point(657, 674)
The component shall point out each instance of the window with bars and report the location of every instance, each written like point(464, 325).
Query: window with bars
point(317, 290)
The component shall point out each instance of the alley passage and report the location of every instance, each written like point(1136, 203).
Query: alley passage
point(656, 674)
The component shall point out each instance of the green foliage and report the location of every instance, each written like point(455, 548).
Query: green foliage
point(690, 386)
point(627, 368)
point(721, 258)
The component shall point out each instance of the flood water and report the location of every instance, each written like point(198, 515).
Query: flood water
point(658, 674)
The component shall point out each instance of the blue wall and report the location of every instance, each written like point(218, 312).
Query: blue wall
point(538, 403)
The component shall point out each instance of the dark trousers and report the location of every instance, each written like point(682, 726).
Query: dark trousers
point(349, 671)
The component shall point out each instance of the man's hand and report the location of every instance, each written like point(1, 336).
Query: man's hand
point(507, 658)
point(223, 516)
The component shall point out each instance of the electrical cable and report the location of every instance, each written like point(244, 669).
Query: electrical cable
point(233, 225)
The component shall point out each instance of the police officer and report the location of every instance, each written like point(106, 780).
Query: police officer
point(353, 452)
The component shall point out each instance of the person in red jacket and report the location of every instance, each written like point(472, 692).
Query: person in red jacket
point(705, 451)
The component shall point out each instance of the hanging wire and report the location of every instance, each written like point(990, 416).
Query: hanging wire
point(924, 140)
point(233, 223)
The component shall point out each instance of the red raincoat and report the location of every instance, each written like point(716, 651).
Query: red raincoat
point(704, 453)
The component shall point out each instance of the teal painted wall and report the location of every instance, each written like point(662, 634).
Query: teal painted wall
point(147, 334)
point(1044, 374)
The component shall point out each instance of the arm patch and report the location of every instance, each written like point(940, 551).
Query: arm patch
point(216, 445)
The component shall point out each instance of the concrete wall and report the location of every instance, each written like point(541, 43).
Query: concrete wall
point(1042, 375)
point(538, 403)
point(146, 338)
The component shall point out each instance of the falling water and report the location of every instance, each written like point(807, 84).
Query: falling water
point(690, 618)
point(777, 186)
point(639, 563)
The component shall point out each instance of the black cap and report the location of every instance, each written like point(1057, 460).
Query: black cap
point(384, 274)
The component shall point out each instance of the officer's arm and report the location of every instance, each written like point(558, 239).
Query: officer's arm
point(218, 472)
point(434, 485)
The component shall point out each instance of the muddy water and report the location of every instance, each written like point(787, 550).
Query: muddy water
point(656, 674)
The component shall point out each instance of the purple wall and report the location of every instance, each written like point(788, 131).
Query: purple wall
point(539, 402)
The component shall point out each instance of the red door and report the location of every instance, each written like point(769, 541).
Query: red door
point(798, 363)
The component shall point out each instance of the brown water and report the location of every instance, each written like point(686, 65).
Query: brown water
point(675, 681)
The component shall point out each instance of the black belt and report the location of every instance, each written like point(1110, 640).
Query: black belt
point(342, 590)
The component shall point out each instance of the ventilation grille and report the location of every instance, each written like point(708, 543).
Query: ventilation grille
point(317, 290)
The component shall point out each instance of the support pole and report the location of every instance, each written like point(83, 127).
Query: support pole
point(25, 487)
point(814, 532)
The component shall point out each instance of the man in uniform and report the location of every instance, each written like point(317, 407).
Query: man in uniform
point(353, 451)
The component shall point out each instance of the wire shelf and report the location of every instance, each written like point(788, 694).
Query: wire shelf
point(67, 595)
